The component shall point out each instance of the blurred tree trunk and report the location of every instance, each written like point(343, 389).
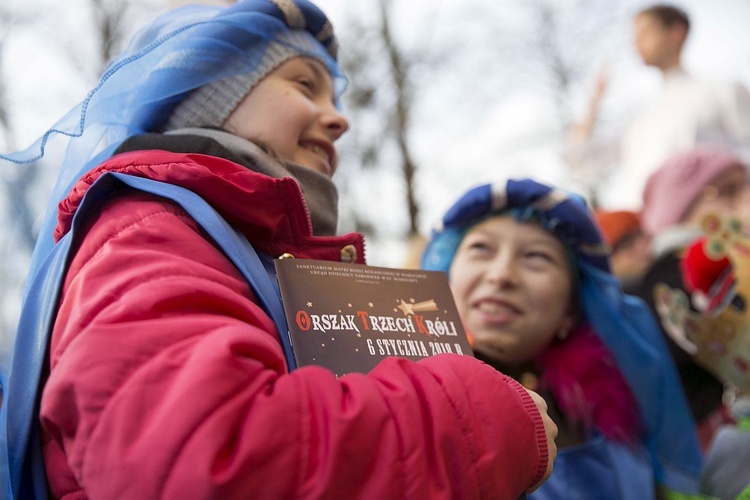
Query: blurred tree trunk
point(400, 69)
point(381, 102)
point(114, 23)
point(109, 23)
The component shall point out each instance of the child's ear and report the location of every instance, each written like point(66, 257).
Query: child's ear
point(678, 34)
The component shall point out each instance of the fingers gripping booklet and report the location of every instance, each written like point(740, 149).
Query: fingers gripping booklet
point(349, 317)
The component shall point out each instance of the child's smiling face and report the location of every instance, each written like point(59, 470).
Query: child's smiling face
point(513, 288)
point(291, 111)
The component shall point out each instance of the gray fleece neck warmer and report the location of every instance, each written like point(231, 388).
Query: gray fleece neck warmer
point(318, 189)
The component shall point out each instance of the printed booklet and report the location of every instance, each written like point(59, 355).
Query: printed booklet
point(348, 317)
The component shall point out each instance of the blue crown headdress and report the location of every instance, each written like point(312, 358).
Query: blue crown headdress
point(552, 208)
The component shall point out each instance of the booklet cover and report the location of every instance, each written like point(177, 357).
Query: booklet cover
point(348, 317)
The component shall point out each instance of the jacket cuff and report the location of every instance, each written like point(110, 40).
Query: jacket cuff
point(541, 435)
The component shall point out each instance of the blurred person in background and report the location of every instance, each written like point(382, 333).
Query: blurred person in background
point(631, 253)
point(678, 197)
point(688, 112)
point(708, 316)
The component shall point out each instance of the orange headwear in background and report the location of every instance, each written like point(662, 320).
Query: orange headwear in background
point(617, 224)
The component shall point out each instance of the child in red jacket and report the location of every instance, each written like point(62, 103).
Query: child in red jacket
point(167, 377)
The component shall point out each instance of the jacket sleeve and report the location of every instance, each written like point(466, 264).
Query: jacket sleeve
point(167, 381)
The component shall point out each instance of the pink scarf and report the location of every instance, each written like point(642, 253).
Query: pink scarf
point(588, 386)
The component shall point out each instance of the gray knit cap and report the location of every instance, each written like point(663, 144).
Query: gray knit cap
point(210, 105)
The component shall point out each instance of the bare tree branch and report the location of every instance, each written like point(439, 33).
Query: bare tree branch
point(404, 104)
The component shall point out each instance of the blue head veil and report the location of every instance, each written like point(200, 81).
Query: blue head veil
point(624, 323)
point(179, 52)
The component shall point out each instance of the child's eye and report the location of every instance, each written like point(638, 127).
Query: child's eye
point(542, 261)
point(306, 82)
point(479, 246)
point(538, 255)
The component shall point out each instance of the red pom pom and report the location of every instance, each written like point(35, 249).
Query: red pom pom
point(699, 271)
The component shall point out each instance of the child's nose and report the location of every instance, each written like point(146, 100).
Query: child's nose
point(334, 122)
point(503, 271)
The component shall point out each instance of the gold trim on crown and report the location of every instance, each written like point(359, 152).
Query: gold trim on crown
point(550, 200)
point(499, 197)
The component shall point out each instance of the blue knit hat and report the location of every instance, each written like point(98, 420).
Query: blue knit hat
point(211, 104)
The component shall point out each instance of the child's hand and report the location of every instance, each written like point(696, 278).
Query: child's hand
point(550, 430)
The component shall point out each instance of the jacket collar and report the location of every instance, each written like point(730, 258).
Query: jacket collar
point(283, 226)
point(319, 191)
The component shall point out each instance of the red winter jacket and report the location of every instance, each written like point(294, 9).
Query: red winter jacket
point(167, 380)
